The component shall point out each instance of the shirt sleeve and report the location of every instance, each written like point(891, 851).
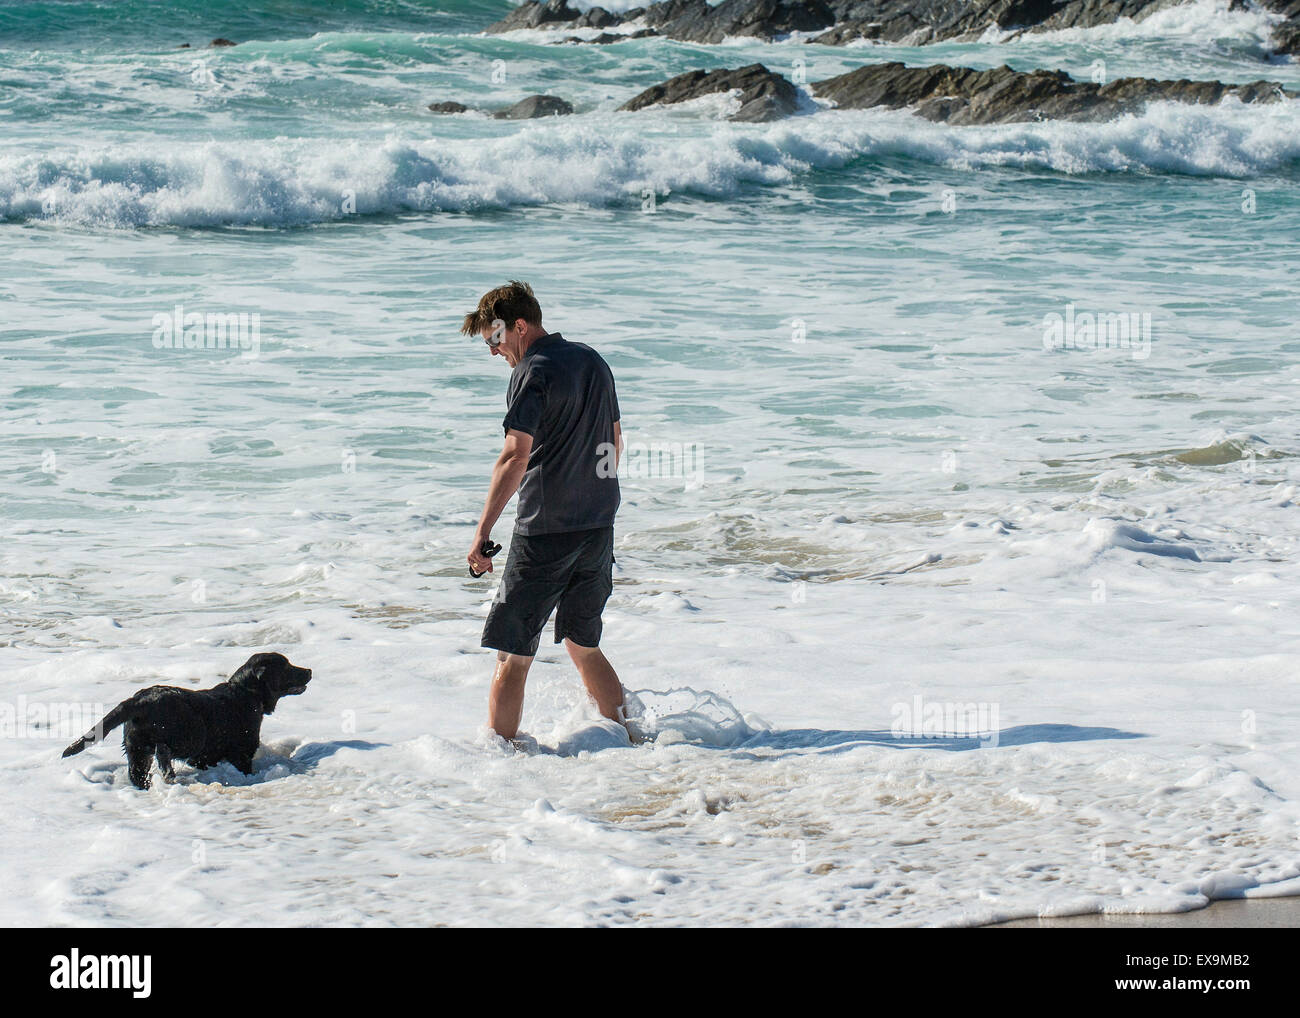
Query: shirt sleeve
point(524, 412)
point(613, 395)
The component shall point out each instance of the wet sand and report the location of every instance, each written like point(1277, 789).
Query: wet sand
point(1265, 913)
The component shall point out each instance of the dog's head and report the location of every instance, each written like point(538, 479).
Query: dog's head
point(271, 676)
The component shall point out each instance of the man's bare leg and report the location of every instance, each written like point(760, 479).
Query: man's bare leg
point(601, 680)
point(506, 700)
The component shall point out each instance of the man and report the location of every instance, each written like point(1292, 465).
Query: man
point(561, 424)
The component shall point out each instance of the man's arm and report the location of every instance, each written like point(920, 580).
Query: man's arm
point(507, 475)
point(618, 444)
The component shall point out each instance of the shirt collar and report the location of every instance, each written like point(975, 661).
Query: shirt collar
point(540, 341)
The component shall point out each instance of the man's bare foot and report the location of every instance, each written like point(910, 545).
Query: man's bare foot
point(634, 735)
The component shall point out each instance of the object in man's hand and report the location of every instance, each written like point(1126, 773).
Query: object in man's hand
point(487, 551)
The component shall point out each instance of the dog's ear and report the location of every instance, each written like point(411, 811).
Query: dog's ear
point(253, 678)
point(248, 670)
point(265, 689)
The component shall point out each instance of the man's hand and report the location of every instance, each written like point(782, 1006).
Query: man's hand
point(478, 562)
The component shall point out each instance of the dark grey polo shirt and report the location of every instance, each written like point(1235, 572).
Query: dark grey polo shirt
point(563, 395)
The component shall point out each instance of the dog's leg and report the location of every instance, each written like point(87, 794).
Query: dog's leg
point(139, 756)
point(165, 764)
point(244, 763)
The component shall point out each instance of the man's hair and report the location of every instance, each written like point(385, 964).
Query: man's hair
point(508, 303)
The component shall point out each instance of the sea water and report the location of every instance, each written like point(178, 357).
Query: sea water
point(957, 560)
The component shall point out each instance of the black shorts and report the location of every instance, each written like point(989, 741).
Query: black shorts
point(573, 571)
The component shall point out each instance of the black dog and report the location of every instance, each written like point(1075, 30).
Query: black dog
point(200, 726)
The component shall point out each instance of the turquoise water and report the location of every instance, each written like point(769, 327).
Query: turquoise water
point(830, 305)
point(829, 340)
point(297, 176)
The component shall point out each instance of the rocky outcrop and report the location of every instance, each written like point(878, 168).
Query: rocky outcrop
point(764, 95)
point(536, 106)
point(684, 20)
point(1286, 37)
point(597, 17)
point(553, 14)
point(921, 21)
point(696, 21)
point(835, 22)
point(960, 95)
point(550, 14)
point(605, 38)
point(526, 109)
point(952, 95)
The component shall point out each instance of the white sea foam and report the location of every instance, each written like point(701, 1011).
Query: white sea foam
point(911, 512)
point(1135, 768)
point(305, 181)
point(391, 823)
point(1200, 22)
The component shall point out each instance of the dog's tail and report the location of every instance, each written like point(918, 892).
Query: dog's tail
point(115, 717)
